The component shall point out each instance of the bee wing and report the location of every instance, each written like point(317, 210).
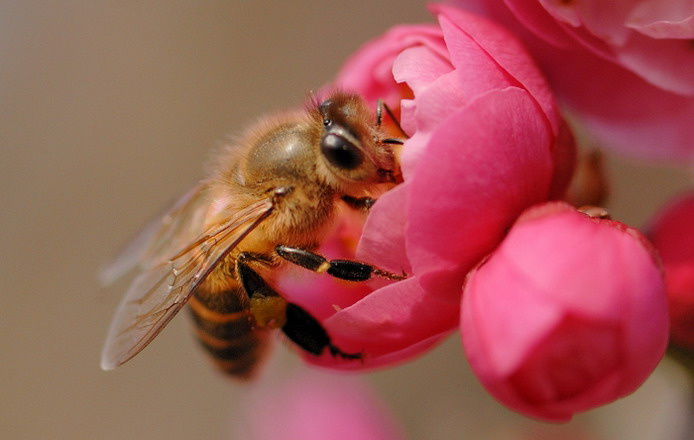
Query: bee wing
point(161, 290)
point(166, 234)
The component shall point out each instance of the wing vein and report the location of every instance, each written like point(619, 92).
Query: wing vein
point(161, 290)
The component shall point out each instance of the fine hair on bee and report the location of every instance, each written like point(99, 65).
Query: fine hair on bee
point(268, 201)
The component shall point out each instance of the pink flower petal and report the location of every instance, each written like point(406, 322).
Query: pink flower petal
point(624, 111)
point(602, 19)
point(535, 18)
point(433, 106)
point(663, 19)
point(383, 242)
point(418, 66)
point(679, 280)
point(369, 71)
point(316, 406)
point(671, 228)
point(484, 166)
point(532, 314)
point(649, 38)
point(671, 232)
point(503, 49)
point(399, 318)
point(624, 67)
point(562, 375)
point(665, 63)
point(374, 362)
point(469, 57)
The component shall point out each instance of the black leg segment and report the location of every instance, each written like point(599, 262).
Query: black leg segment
point(252, 283)
point(306, 259)
point(350, 270)
point(309, 334)
point(266, 305)
point(270, 310)
point(344, 269)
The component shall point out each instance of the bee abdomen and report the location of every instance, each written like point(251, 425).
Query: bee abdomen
point(224, 327)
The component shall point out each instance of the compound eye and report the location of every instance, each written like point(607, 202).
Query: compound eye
point(341, 152)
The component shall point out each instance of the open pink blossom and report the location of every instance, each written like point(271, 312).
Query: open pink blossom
point(486, 142)
point(567, 314)
point(315, 406)
point(626, 67)
point(672, 234)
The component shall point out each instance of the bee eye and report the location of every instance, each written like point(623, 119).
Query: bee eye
point(340, 152)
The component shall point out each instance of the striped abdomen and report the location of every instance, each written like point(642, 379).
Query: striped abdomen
point(224, 326)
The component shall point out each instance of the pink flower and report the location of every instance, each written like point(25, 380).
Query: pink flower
point(486, 142)
point(315, 406)
point(671, 233)
point(626, 67)
point(567, 314)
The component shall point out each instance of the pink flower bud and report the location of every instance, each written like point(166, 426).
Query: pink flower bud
point(567, 314)
point(672, 234)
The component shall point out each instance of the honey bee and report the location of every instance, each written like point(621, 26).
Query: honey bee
point(270, 200)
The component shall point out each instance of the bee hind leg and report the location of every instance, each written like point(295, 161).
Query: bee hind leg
point(309, 334)
point(270, 310)
point(344, 269)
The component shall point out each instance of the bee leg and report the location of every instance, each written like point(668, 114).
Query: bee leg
point(270, 310)
point(343, 269)
point(267, 306)
point(359, 203)
point(309, 334)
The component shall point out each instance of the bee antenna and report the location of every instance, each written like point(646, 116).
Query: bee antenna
point(393, 141)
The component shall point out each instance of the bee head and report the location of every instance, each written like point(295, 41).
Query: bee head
point(350, 141)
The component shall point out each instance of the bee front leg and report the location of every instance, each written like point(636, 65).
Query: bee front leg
point(270, 310)
point(343, 269)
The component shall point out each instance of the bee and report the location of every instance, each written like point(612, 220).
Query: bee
point(269, 200)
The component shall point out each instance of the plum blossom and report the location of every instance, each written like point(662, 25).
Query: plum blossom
point(671, 233)
point(625, 67)
point(567, 314)
point(486, 141)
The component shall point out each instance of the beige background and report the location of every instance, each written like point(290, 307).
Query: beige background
point(107, 111)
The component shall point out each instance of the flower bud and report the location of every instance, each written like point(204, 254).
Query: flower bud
point(671, 233)
point(569, 313)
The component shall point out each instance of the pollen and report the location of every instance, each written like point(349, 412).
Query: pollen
point(269, 311)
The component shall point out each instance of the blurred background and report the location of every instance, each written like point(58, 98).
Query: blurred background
point(108, 111)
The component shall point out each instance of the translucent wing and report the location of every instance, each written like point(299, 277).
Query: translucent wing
point(163, 236)
point(161, 290)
